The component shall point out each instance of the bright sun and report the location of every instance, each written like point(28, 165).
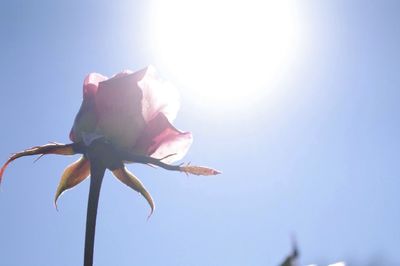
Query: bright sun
point(225, 51)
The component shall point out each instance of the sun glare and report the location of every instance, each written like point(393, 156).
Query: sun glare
point(225, 51)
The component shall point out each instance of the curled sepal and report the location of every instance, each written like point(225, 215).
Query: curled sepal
point(198, 170)
point(51, 148)
point(72, 176)
point(133, 182)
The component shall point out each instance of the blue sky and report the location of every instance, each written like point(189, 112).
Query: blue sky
point(322, 163)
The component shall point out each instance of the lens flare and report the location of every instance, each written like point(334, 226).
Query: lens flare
point(225, 51)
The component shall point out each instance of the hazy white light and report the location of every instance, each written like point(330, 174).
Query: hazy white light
point(225, 51)
point(335, 264)
point(338, 264)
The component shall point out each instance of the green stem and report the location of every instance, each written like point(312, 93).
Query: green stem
point(97, 171)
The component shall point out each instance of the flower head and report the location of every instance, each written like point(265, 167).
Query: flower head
point(134, 111)
point(131, 116)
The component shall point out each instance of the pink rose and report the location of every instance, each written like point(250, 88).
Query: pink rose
point(126, 118)
point(130, 116)
point(134, 111)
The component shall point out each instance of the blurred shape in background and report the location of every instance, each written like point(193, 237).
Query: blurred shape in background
point(291, 259)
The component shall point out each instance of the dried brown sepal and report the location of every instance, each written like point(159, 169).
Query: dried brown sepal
point(72, 176)
point(126, 177)
point(199, 170)
point(51, 148)
point(188, 169)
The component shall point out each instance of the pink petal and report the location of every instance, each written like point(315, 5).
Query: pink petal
point(158, 96)
point(160, 139)
point(85, 120)
point(91, 84)
point(119, 109)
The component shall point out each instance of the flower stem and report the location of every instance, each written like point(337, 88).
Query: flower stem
point(97, 173)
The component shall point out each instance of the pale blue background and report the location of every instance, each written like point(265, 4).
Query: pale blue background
point(323, 165)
